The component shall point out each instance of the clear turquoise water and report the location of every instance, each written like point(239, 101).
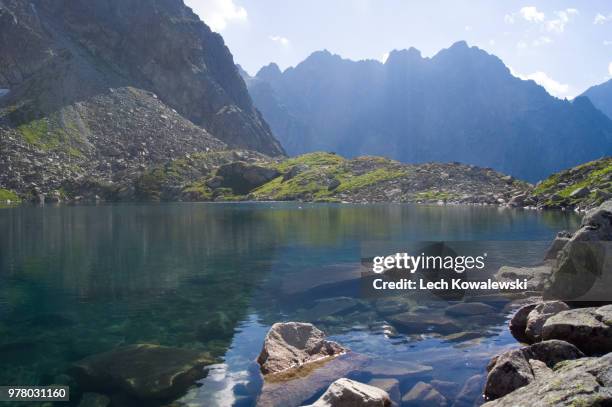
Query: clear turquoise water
point(75, 281)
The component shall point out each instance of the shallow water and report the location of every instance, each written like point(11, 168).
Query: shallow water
point(75, 281)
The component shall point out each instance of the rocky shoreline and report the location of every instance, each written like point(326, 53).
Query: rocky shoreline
point(243, 175)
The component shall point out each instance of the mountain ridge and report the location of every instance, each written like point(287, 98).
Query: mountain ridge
point(601, 96)
point(461, 104)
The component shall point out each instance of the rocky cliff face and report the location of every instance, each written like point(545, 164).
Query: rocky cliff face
point(91, 89)
point(462, 104)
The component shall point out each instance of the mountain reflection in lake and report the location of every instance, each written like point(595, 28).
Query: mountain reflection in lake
point(76, 281)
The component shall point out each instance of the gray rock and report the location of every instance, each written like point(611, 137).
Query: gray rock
point(539, 369)
point(349, 393)
point(557, 245)
point(289, 345)
point(508, 372)
point(333, 184)
point(512, 369)
point(471, 392)
point(389, 385)
point(582, 271)
point(293, 387)
point(536, 277)
point(538, 316)
point(423, 395)
point(394, 368)
point(448, 389)
point(214, 182)
point(294, 171)
point(580, 192)
point(517, 200)
point(518, 323)
point(581, 382)
point(242, 177)
point(143, 371)
point(590, 329)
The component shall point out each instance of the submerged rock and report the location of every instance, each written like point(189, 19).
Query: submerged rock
point(512, 369)
point(397, 369)
point(349, 393)
point(295, 386)
point(469, 308)
point(409, 323)
point(389, 385)
point(471, 392)
point(581, 382)
point(143, 371)
point(289, 345)
point(424, 395)
point(590, 329)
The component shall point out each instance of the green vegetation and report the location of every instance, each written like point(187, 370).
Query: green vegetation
point(53, 133)
point(311, 159)
point(594, 175)
point(7, 195)
point(323, 175)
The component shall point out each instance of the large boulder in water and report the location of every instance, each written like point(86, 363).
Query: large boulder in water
point(349, 393)
point(580, 382)
point(289, 345)
point(142, 371)
point(539, 315)
point(243, 178)
point(514, 369)
point(590, 329)
point(583, 270)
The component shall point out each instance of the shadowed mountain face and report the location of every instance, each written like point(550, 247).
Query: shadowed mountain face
point(601, 96)
point(116, 83)
point(460, 105)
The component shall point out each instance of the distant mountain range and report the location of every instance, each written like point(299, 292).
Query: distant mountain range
point(601, 96)
point(462, 104)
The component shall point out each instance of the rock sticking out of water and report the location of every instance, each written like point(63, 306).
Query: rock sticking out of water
point(289, 345)
point(514, 369)
point(349, 393)
point(301, 384)
point(143, 371)
point(590, 329)
point(581, 382)
point(582, 269)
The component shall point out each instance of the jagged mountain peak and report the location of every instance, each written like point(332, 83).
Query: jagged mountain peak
point(463, 104)
point(270, 72)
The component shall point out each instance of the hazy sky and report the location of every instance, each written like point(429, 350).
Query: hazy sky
point(566, 46)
